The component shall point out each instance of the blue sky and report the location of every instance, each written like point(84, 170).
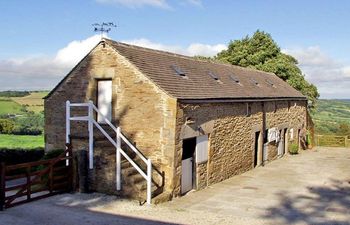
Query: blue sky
point(41, 40)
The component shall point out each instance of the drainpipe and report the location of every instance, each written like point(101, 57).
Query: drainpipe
point(263, 132)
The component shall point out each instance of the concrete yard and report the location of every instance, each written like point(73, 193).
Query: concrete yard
point(310, 188)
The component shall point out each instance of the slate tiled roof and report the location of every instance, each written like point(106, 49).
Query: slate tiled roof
point(233, 82)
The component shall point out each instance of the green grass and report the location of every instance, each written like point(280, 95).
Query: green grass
point(21, 141)
point(9, 106)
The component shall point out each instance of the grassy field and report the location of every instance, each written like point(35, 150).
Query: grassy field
point(7, 106)
point(21, 141)
point(329, 114)
point(23, 106)
point(34, 102)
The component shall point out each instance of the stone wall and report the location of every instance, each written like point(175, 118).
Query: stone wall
point(157, 123)
point(145, 114)
point(231, 128)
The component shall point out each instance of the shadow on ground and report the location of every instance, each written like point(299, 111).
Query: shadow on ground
point(74, 209)
point(319, 205)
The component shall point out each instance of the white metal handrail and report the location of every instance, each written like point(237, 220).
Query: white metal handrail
point(120, 133)
point(116, 143)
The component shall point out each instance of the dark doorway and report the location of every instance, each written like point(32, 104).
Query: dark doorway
point(256, 148)
point(188, 168)
point(188, 148)
point(285, 136)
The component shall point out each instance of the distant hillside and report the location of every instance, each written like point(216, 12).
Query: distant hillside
point(330, 115)
point(33, 102)
point(7, 106)
point(16, 102)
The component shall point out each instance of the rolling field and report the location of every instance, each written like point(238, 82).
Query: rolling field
point(7, 106)
point(34, 101)
point(23, 107)
point(330, 114)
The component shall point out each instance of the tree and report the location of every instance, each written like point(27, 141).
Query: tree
point(261, 52)
point(6, 126)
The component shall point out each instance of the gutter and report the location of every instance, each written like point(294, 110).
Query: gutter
point(222, 100)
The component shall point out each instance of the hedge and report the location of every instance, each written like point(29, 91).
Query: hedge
point(16, 156)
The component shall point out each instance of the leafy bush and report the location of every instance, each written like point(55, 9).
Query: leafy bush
point(308, 139)
point(32, 124)
point(6, 126)
point(293, 148)
point(16, 156)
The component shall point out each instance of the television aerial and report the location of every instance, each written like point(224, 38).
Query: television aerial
point(104, 28)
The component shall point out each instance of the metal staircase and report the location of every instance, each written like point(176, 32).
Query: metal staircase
point(143, 172)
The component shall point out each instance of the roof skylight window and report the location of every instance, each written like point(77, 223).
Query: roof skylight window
point(178, 71)
point(254, 81)
point(234, 78)
point(213, 75)
point(270, 82)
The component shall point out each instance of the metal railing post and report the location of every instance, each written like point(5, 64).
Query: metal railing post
point(118, 161)
point(67, 126)
point(91, 136)
point(149, 181)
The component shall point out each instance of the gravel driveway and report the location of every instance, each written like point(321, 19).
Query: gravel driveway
point(309, 188)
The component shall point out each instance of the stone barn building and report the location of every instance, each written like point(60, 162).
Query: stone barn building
point(199, 122)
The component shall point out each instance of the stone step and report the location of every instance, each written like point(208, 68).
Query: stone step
point(135, 179)
point(129, 171)
point(126, 164)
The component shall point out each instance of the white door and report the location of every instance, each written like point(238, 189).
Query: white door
point(265, 149)
point(280, 147)
point(202, 149)
point(186, 177)
point(104, 100)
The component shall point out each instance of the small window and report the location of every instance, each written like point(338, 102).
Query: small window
point(270, 83)
point(178, 71)
point(254, 81)
point(213, 75)
point(234, 78)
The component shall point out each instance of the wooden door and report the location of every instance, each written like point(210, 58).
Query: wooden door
point(187, 175)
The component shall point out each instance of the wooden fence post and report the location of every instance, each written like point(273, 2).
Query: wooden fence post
point(2, 185)
point(29, 187)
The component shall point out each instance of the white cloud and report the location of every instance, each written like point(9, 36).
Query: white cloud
point(42, 71)
point(153, 3)
point(76, 50)
point(330, 75)
point(137, 3)
point(194, 2)
point(191, 50)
